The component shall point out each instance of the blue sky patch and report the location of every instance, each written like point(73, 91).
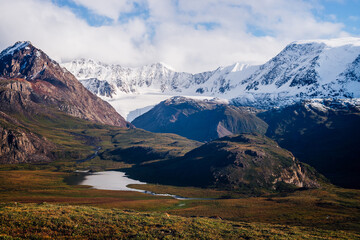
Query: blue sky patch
point(82, 12)
point(334, 11)
point(346, 12)
point(139, 11)
point(207, 25)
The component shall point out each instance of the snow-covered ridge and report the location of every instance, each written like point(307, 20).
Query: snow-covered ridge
point(157, 78)
point(180, 99)
point(335, 42)
point(305, 70)
point(124, 80)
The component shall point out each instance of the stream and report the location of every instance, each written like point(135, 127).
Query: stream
point(91, 156)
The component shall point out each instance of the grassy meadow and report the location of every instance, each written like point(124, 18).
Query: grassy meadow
point(48, 221)
point(39, 204)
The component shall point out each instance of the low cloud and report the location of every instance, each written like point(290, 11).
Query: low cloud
point(190, 36)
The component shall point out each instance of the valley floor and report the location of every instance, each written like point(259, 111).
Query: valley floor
point(39, 204)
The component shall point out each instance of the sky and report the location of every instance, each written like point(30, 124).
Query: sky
point(188, 35)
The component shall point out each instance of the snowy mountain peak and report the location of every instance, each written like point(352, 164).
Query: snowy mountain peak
point(237, 67)
point(335, 42)
point(16, 47)
point(166, 66)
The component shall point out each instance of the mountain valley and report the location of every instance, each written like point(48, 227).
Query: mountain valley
point(243, 160)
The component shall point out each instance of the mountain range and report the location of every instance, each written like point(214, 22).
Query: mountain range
point(302, 70)
point(309, 90)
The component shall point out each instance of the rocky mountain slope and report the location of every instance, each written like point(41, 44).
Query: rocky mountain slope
point(32, 77)
point(201, 120)
point(248, 163)
point(324, 133)
point(19, 145)
point(303, 70)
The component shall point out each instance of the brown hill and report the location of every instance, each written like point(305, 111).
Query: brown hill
point(248, 163)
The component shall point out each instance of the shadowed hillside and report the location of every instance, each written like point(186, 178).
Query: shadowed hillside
point(201, 120)
point(324, 134)
point(247, 163)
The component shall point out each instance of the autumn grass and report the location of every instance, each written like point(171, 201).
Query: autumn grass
point(309, 210)
point(331, 208)
point(34, 221)
point(327, 208)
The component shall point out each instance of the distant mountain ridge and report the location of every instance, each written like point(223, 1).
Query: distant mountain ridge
point(303, 70)
point(201, 120)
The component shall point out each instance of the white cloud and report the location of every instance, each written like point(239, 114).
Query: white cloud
point(354, 18)
point(188, 35)
point(108, 8)
point(63, 36)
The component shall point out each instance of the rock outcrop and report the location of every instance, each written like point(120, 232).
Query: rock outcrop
point(18, 145)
